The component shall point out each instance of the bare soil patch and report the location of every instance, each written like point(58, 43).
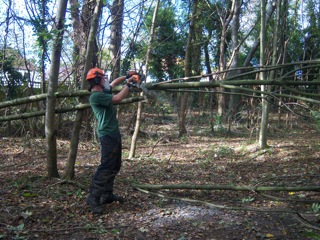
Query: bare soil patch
point(34, 207)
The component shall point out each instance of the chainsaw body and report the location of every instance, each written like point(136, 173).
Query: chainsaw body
point(137, 80)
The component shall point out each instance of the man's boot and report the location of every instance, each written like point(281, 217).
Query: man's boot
point(109, 198)
point(94, 204)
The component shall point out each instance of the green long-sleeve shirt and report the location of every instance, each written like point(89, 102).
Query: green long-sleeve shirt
point(105, 113)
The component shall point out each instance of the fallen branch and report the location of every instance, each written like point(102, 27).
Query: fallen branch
point(211, 205)
point(298, 176)
point(285, 199)
point(12, 165)
point(304, 221)
point(227, 187)
point(86, 228)
point(66, 181)
point(63, 110)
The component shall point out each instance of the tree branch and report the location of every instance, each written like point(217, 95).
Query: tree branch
point(227, 187)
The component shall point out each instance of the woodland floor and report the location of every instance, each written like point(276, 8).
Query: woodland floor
point(34, 207)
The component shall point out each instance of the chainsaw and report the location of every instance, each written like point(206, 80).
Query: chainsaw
point(137, 82)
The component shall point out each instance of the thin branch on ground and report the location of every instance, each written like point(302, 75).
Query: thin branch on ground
point(65, 181)
point(84, 228)
point(154, 146)
point(209, 187)
point(211, 205)
point(284, 199)
point(305, 221)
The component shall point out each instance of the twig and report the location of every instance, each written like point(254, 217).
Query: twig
point(284, 199)
point(209, 187)
point(305, 221)
point(171, 155)
point(68, 181)
point(13, 165)
point(211, 205)
point(287, 176)
point(259, 154)
point(78, 228)
point(154, 146)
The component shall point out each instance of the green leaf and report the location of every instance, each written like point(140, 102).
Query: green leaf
point(20, 227)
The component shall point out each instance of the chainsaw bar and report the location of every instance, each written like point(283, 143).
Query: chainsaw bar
point(143, 88)
point(139, 86)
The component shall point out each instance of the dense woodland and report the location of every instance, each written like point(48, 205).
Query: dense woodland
point(216, 69)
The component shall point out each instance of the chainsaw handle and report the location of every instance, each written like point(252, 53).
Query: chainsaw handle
point(135, 78)
point(130, 73)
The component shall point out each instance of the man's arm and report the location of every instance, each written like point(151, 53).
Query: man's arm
point(121, 95)
point(117, 81)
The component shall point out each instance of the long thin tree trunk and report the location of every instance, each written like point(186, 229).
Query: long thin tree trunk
point(255, 45)
point(69, 171)
point(264, 117)
point(187, 72)
point(116, 36)
point(276, 46)
point(222, 58)
point(50, 128)
point(235, 98)
point(139, 112)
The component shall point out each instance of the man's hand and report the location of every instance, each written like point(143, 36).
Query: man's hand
point(134, 83)
point(130, 73)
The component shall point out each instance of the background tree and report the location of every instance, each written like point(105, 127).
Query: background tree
point(167, 49)
point(234, 105)
point(89, 61)
point(226, 13)
point(139, 111)
point(116, 36)
point(264, 118)
point(40, 19)
point(187, 70)
point(50, 128)
point(13, 82)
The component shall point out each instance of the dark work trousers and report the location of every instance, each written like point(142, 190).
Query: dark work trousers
point(103, 180)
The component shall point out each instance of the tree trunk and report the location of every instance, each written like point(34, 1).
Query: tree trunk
point(116, 36)
point(139, 112)
point(90, 54)
point(209, 72)
point(257, 42)
point(235, 98)
point(50, 128)
point(79, 38)
point(225, 21)
point(187, 72)
point(265, 105)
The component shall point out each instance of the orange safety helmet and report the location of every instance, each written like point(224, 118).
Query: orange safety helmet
point(94, 73)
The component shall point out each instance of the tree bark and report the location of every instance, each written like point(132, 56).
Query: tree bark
point(187, 72)
point(225, 22)
point(265, 105)
point(50, 129)
point(139, 111)
point(90, 59)
point(255, 45)
point(116, 36)
point(228, 187)
point(234, 98)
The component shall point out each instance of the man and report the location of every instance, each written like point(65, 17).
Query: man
point(101, 101)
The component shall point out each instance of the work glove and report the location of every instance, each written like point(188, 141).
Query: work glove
point(130, 73)
point(134, 83)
